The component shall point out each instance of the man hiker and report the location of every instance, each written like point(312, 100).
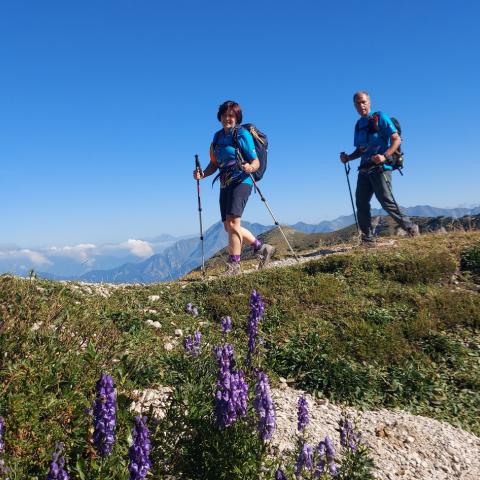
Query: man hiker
point(376, 139)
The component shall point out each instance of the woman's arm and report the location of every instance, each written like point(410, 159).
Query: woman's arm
point(212, 167)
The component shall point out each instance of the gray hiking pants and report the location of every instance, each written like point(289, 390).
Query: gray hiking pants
point(371, 183)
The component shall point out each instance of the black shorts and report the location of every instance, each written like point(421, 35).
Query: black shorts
point(233, 200)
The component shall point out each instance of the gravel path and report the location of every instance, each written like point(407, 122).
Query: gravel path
point(404, 446)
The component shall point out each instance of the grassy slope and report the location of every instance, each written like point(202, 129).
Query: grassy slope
point(382, 328)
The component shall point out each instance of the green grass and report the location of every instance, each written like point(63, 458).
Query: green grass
point(371, 329)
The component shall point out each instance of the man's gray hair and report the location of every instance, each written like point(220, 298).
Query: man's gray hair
point(360, 92)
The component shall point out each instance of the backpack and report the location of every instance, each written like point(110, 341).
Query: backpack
point(396, 159)
point(260, 141)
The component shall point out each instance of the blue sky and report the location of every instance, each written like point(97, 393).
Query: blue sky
point(103, 105)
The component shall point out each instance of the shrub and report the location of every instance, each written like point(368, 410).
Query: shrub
point(470, 260)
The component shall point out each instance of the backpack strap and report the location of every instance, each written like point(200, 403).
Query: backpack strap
point(215, 138)
point(236, 143)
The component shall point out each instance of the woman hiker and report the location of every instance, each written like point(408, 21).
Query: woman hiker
point(235, 183)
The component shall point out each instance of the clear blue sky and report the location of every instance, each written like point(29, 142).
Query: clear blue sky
point(103, 105)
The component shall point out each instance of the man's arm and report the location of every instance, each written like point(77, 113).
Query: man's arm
point(357, 153)
point(395, 142)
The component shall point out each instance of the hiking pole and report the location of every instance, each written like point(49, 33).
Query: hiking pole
point(199, 169)
point(347, 173)
point(264, 200)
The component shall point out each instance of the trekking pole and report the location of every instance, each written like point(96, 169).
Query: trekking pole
point(347, 173)
point(199, 169)
point(264, 200)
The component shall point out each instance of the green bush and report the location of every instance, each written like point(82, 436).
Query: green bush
point(470, 260)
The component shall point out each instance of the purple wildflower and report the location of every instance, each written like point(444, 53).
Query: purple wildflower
point(226, 324)
point(192, 344)
point(232, 390)
point(302, 416)
point(321, 453)
point(57, 470)
point(257, 309)
point(264, 407)
point(330, 454)
point(280, 475)
point(188, 344)
point(2, 428)
point(348, 437)
point(305, 459)
point(104, 415)
point(139, 451)
point(326, 456)
point(3, 468)
point(191, 309)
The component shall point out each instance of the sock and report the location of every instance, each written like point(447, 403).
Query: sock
point(234, 258)
point(256, 244)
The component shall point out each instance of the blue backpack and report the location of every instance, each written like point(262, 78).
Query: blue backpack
point(396, 160)
point(261, 146)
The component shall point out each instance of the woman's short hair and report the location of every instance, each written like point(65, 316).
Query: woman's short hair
point(360, 92)
point(234, 107)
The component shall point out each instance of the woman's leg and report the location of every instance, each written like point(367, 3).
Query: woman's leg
point(236, 235)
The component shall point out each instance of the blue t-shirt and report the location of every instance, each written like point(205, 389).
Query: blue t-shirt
point(224, 153)
point(373, 141)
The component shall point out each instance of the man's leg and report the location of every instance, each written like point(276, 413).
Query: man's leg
point(363, 195)
point(382, 185)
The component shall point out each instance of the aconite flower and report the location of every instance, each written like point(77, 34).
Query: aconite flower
point(190, 308)
point(104, 415)
point(3, 468)
point(2, 433)
point(348, 437)
point(305, 459)
point(302, 416)
point(139, 452)
point(232, 389)
point(280, 475)
point(57, 465)
point(192, 344)
point(226, 324)
point(326, 457)
point(264, 407)
point(257, 309)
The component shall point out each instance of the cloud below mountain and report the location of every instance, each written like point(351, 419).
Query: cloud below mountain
point(25, 255)
point(77, 259)
point(140, 248)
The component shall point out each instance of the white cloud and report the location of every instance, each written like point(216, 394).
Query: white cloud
point(81, 252)
point(36, 258)
point(140, 248)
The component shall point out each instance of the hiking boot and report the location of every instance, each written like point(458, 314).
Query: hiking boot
point(264, 255)
point(368, 241)
point(232, 269)
point(413, 231)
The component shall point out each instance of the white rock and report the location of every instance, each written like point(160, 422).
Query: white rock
point(36, 326)
point(154, 324)
point(154, 298)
